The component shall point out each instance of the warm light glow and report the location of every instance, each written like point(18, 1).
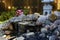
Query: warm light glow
point(3, 1)
point(58, 4)
point(9, 7)
point(24, 6)
point(28, 7)
point(52, 12)
point(55, 1)
point(13, 7)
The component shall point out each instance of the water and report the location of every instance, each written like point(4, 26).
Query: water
point(1, 30)
point(1, 33)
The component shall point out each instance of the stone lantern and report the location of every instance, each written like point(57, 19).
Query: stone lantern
point(47, 7)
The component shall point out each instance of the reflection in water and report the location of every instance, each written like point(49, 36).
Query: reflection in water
point(1, 33)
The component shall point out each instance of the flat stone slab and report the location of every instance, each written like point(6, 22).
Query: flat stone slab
point(2, 38)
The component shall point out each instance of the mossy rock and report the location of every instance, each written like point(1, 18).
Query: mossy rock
point(53, 17)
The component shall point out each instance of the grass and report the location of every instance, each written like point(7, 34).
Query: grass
point(1, 22)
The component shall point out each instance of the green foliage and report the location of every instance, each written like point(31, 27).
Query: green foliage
point(11, 13)
point(7, 15)
point(26, 11)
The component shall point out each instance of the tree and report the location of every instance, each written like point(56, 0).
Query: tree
point(2, 7)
